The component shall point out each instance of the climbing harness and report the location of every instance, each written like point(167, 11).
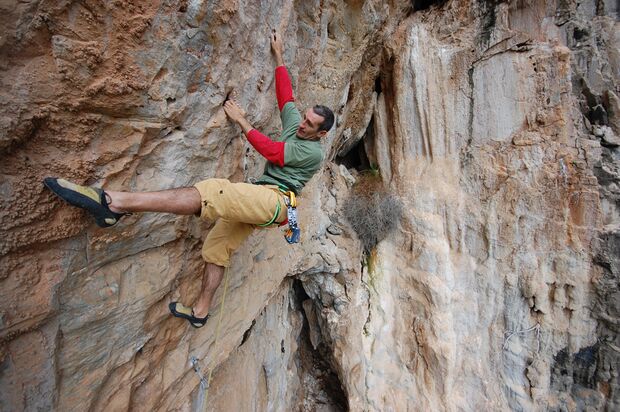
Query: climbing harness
point(206, 382)
point(293, 233)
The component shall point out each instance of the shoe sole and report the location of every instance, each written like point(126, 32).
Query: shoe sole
point(83, 197)
point(190, 318)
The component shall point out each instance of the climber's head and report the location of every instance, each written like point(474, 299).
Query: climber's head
point(316, 123)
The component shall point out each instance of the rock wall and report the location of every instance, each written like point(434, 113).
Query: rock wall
point(495, 123)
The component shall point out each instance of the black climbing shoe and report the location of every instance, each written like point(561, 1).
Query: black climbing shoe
point(92, 199)
point(180, 311)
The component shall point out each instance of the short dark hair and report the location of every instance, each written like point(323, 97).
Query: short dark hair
point(327, 115)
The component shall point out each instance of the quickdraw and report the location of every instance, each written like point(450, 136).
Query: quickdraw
point(293, 233)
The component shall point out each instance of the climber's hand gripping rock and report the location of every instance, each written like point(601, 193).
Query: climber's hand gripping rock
point(277, 47)
point(234, 111)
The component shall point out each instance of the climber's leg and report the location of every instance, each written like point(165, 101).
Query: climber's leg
point(225, 237)
point(199, 314)
point(211, 280)
point(240, 202)
point(222, 240)
point(180, 201)
point(238, 208)
point(107, 207)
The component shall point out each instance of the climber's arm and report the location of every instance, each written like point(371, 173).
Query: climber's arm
point(290, 116)
point(284, 88)
point(270, 150)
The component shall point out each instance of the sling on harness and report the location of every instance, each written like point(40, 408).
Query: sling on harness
point(273, 219)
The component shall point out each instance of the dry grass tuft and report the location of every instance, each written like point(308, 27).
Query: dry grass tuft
point(372, 210)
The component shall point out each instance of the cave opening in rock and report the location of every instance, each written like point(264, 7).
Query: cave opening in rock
point(592, 105)
point(320, 383)
point(356, 157)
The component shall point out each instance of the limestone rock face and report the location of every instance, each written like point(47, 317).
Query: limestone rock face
point(495, 123)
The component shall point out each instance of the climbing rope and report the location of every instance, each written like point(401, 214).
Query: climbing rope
point(206, 382)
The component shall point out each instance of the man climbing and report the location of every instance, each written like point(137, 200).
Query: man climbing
point(238, 208)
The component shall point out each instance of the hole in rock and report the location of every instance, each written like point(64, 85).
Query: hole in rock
point(350, 93)
point(362, 155)
point(425, 4)
point(330, 30)
point(247, 333)
point(320, 383)
point(378, 87)
point(585, 366)
point(577, 370)
point(580, 34)
point(356, 158)
point(598, 115)
point(592, 105)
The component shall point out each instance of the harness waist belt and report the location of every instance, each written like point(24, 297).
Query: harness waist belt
point(283, 184)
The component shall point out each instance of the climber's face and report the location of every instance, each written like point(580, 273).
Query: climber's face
point(309, 127)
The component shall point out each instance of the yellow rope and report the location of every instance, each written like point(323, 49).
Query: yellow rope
point(217, 332)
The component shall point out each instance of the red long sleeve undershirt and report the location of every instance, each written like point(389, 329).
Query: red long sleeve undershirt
point(270, 150)
point(284, 89)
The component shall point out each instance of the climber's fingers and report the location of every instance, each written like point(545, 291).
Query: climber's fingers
point(276, 41)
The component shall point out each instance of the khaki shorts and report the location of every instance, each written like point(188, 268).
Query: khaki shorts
point(238, 209)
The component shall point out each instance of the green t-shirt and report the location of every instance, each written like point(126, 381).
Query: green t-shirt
point(302, 158)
